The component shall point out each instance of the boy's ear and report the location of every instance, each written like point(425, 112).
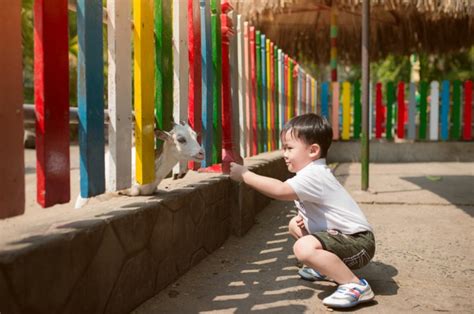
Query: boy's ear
point(314, 151)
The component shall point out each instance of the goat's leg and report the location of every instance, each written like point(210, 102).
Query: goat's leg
point(147, 189)
point(183, 170)
point(138, 189)
point(80, 202)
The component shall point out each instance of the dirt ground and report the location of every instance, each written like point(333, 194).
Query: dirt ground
point(422, 214)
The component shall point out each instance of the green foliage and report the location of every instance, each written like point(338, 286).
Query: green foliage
point(451, 66)
point(27, 24)
point(27, 40)
point(393, 68)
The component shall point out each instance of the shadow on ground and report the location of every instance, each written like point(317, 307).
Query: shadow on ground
point(457, 190)
point(258, 272)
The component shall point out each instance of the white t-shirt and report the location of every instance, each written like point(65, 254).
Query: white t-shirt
point(323, 202)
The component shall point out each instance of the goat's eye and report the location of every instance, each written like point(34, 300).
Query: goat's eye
point(181, 140)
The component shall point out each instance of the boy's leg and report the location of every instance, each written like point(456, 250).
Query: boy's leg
point(310, 251)
point(352, 251)
point(295, 231)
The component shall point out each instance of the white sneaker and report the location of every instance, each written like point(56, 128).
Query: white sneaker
point(350, 294)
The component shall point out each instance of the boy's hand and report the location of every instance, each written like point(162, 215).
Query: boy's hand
point(300, 222)
point(237, 171)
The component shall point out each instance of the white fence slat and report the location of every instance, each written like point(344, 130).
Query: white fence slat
point(119, 95)
point(434, 110)
point(180, 68)
point(248, 89)
point(242, 84)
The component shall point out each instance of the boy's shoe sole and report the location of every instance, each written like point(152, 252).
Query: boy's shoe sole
point(355, 303)
point(310, 274)
point(354, 291)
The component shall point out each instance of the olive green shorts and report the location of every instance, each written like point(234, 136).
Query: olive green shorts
point(355, 250)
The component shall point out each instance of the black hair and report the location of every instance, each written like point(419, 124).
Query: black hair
point(311, 128)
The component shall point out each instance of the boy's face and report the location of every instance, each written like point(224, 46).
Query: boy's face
point(298, 154)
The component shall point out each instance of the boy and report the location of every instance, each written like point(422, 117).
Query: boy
point(332, 234)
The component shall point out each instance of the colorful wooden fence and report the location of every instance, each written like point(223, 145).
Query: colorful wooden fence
point(447, 114)
point(219, 73)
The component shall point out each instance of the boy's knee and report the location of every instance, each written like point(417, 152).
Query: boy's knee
point(292, 222)
point(306, 247)
point(293, 227)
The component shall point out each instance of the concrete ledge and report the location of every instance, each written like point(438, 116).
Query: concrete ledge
point(112, 256)
point(385, 152)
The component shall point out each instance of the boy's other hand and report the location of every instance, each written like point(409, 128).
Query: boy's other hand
point(237, 171)
point(300, 222)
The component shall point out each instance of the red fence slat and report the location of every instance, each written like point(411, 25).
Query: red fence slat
point(378, 110)
point(401, 110)
point(52, 101)
point(466, 135)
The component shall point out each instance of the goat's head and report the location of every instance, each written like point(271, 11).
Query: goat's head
point(181, 142)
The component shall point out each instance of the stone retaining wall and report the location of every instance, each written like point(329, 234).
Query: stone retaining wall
point(115, 256)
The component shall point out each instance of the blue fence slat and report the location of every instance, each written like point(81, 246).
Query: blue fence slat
point(325, 99)
point(263, 52)
point(90, 97)
point(444, 110)
point(206, 61)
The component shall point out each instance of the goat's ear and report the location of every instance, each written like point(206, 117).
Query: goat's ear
point(163, 135)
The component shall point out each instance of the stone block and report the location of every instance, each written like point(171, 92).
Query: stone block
point(184, 239)
point(134, 230)
point(7, 302)
point(161, 241)
point(135, 284)
point(207, 228)
point(99, 276)
point(176, 199)
point(198, 256)
point(166, 273)
point(223, 207)
point(213, 188)
point(43, 274)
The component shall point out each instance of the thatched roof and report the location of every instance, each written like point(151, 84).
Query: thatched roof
point(397, 26)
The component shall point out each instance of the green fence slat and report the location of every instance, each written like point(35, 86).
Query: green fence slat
point(423, 107)
point(259, 90)
point(357, 110)
point(390, 98)
point(456, 113)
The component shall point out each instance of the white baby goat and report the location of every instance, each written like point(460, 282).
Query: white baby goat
point(180, 145)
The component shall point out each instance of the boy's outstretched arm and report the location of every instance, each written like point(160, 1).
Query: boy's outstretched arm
point(269, 186)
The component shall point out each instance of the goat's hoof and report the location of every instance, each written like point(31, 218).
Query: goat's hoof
point(125, 192)
point(179, 175)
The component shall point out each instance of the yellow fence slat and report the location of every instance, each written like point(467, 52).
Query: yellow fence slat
point(144, 71)
point(346, 110)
